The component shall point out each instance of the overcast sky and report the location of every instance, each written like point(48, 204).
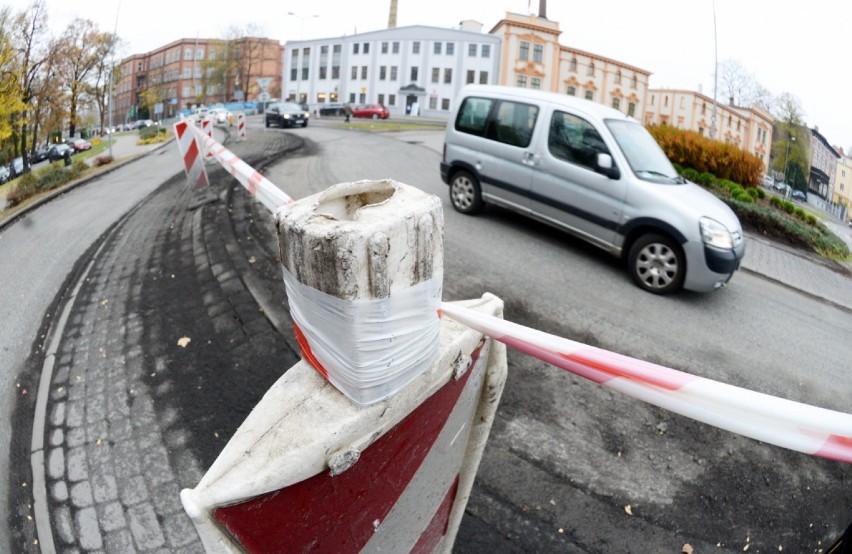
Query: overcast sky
point(797, 47)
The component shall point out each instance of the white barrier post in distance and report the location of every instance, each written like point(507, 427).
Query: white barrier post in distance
point(193, 163)
point(372, 441)
point(241, 127)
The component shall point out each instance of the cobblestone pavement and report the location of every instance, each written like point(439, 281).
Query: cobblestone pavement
point(179, 310)
point(135, 412)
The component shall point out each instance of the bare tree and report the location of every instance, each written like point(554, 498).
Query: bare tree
point(793, 141)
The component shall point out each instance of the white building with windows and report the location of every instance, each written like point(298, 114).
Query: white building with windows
point(410, 70)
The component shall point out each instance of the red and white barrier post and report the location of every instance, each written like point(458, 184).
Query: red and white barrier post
point(372, 441)
point(241, 127)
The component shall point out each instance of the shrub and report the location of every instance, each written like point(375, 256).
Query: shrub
point(106, 159)
point(754, 192)
point(693, 150)
point(707, 179)
point(678, 168)
point(690, 174)
point(743, 196)
point(24, 188)
point(727, 184)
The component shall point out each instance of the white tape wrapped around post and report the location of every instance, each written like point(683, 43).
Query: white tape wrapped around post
point(372, 442)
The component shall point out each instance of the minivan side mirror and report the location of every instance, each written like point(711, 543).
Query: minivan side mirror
point(607, 167)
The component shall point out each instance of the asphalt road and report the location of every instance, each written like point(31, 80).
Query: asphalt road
point(567, 457)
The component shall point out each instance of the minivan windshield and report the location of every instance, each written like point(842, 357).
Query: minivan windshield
point(644, 155)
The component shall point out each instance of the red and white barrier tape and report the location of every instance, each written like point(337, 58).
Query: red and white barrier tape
point(818, 431)
point(256, 184)
point(793, 425)
point(193, 161)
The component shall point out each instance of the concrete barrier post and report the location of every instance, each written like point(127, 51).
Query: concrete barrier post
point(372, 441)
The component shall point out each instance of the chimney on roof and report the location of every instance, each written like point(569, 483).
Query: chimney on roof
point(392, 15)
point(542, 9)
point(730, 100)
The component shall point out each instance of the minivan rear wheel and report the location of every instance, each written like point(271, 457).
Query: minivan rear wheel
point(656, 263)
point(465, 194)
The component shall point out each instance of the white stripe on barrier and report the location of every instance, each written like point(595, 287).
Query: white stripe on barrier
point(190, 152)
point(800, 427)
point(256, 184)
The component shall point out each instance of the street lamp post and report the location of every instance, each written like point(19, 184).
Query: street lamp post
point(112, 76)
point(298, 68)
point(790, 139)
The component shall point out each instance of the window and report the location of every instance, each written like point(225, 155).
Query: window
point(538, 53)
point(436, 48)
point(451, 48)
point(618, 77)
point(187, 54)
point(524, 53)
point(335, 72)
point(575, 140)
point(395, 47)
point(363, 71)
point(321, 98)
point(513, 123)
point(294, 74)
point(354, 74)
point(384, 51)
point(616, 102)
point(391, 99)
point(355, 48)
point(294, 54)
point(572, 66)
point(652, 99)
point(304, 73)
point(381, 99)
point(483, 77)
point(590, 95)
point(591, 70)
point(414, 73)
point(703, 108)
point(634, 82)
point(535, 83)
point(471, 50)
point(631, 109)
point(415, 47)
point(571, 91)
point(199, 54)
point(323, 72)
point(448, 75)
point(366, 47)
point(393, 73)
point(351, 97)
point(383, 73)
point(436, 74)
point(665, 101)
point(473, 115)
point(471, 77)
point(522, 81)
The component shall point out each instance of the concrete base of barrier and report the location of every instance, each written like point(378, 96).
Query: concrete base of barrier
point(310, 470)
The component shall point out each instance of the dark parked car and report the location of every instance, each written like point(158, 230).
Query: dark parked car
point(800, 196)
point(57, 151)
point(286, 114)
point(375, 111)
point(40, 153)
point(16, 168)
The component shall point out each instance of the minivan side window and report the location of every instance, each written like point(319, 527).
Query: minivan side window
point(500, 120)
point(575, 140)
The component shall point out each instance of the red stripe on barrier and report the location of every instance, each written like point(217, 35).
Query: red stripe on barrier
point(836, 448)
point(191, 155)
point(341, 513)
point(592, 374)
point(253, 181)
point(643, 372)
point(181, 129)
point(307, 353)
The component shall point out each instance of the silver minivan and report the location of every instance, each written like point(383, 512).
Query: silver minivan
point(594, 172)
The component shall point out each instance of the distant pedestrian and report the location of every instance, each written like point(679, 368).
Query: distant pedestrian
point(347, 111)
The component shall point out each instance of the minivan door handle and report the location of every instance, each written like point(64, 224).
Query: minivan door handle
point(530, 159)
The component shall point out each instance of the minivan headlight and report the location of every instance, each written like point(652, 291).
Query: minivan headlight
point(715, 234)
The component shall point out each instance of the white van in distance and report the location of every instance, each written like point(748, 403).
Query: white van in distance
point(594, 172)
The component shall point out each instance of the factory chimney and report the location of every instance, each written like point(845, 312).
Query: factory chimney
point(542, 9)
point(392, 15)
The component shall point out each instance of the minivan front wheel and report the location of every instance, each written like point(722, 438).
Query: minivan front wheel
point(657, 264)
point(465, 193)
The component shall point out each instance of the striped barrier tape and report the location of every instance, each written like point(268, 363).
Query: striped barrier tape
point(256, 184)
point(793, 425)
point(812, 430)
point(190, 152)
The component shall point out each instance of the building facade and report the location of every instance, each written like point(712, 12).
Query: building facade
point(823, 160)
point(415, 69)
point(195, 71)
point(843, 182)
point(749, 129)
point(533, 57)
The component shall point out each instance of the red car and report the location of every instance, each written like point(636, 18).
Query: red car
point(79, 144)
point(375, 111)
